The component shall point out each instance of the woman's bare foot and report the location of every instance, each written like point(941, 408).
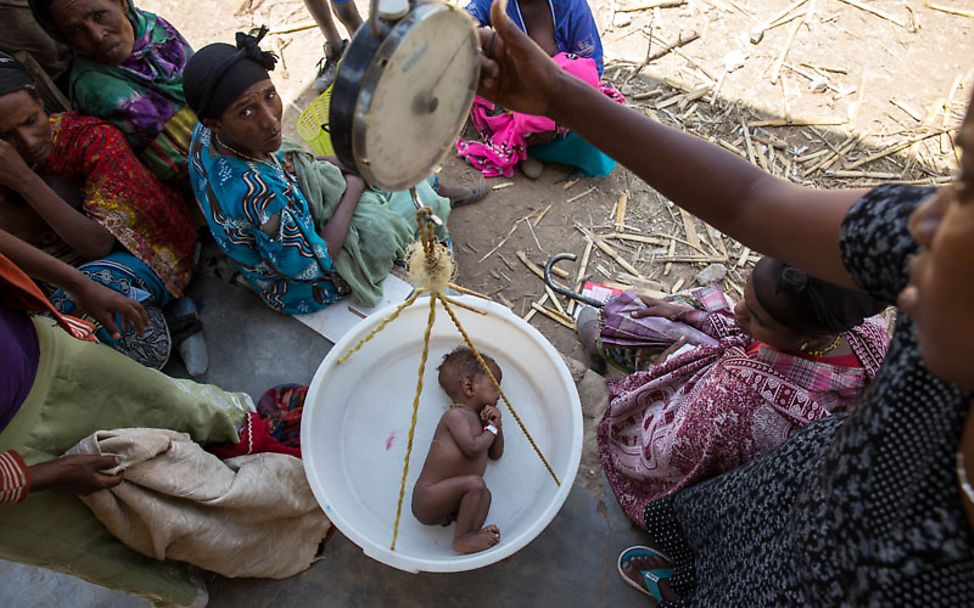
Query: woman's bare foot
point(474, 542)
point(633, 569)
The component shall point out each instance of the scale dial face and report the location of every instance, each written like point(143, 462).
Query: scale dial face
point(416, 96)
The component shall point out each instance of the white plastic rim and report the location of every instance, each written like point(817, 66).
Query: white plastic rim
point(356, 420)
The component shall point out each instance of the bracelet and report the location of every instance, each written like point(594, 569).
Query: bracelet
point(962, 479)
point(490, 428)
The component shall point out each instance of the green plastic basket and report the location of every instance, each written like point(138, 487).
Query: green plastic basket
point(313, 125)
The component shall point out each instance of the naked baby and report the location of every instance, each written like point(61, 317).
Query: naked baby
point(451, 485)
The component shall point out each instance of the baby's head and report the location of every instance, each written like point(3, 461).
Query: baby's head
point(465, 381)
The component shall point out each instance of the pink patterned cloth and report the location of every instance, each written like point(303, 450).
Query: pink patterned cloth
point(503, 135)
point(714, 408)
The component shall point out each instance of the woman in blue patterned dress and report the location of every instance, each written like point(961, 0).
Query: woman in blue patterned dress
point(302, 233)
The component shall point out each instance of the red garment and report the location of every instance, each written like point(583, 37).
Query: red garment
point(255, 438)
point(850, 360)
point(19, 292)
point(149, 219)
point(14, 478)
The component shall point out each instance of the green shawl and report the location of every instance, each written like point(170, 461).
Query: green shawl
point(383, 225)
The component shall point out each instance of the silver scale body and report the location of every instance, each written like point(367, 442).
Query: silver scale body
point(403, 92)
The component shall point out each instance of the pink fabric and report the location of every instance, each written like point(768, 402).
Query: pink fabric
point(503, 135)
point(714, 408)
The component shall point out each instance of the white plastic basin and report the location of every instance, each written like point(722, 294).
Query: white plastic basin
point(356, 421)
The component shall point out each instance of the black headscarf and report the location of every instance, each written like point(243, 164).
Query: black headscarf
point(805, 304)
point(13, 75)
point(218, 73)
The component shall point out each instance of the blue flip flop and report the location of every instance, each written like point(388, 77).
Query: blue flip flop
point(650, 578)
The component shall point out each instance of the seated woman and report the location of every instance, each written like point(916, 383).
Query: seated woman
point(106, 211)
point(566, 30)
point(128, 70)
point(302, 232)
point(58, 388)
point(795, 349)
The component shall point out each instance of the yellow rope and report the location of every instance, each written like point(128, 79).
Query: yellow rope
point(460, 304)
point(395, 314)
point(412, 425)
point(470, 292)
point(433, 278)
point(490, 374)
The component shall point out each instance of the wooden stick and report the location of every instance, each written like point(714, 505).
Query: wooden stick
point(745, 252)
point(861, 174)
point(536, 270)
point(501, 243)
point(776, 70)
point(747, 141)
point(797, 122)
point(554, 316)
point(945, 143)
point(612, 253)
point(949, 9)
point(531, 312)
point(554, 300)
point(909, 111)
point(578, 196)
point(838, 154)
point(583, 266)
point(645, 6)
point(691, 229)
point(757, 32)
point(637, 238)
point(502, 186)
point(690, 259)
point(542, 214)
point(811, 156)
point(875, 11)
point(570, 183)
point(892, 150)
point(621, 212)
point(293, 27)
point(680, 41)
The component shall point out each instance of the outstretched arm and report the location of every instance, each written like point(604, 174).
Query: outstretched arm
point(84, 235)
point(336, 230)
point(95, 299)
point(459, 427)
point(795, 224)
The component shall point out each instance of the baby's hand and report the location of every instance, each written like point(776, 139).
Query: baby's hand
point(491, 415)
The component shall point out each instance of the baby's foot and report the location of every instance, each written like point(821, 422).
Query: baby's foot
point(472, 542)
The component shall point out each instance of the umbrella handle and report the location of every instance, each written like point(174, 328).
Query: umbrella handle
point(561, 289)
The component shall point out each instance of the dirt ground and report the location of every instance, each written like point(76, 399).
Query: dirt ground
point(855, 84)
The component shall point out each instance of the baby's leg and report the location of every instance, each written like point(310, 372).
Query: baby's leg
point(469, 498)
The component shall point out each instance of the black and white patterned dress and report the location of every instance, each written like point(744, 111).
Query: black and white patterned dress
point(860, 509)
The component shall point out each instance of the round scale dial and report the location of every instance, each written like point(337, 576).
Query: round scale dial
point(414, 96)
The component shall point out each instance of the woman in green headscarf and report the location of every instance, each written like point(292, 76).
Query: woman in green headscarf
point(128, 70)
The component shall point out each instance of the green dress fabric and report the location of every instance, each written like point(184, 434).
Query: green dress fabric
point(143, 96)
point(82, 387)
point(383, 225)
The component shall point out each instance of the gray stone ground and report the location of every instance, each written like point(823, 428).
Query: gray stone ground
point(251, 348)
